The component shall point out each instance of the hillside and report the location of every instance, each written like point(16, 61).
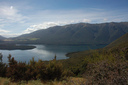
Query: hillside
point(122, 42)
point(81, 33)
point(106, 66)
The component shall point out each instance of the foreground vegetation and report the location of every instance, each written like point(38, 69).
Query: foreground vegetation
point(68, 81)
point(18, 71)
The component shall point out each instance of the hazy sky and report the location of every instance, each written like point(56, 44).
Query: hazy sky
point(25, 16)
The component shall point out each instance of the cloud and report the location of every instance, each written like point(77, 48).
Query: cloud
point(7, 35)
point(3, 31)
point(9, 14)
point(11, 7)
point(86, 20)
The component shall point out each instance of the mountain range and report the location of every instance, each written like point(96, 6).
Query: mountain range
point(80, 33)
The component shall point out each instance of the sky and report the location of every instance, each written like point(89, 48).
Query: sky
point(25, 16)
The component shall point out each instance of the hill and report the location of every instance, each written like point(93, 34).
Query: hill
point(81, 33)
point(122, 42)
point(106, 66)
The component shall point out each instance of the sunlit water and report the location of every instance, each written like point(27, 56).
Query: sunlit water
point(46, 52)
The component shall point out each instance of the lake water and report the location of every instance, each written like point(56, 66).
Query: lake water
point(46, 52)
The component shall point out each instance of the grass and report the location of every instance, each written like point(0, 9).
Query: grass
point(68, 81)
point(6, 81)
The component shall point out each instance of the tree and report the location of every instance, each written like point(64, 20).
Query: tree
point(3, 67)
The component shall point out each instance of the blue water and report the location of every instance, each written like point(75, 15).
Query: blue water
point(46, 52)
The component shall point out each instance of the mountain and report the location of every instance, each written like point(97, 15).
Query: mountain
point(1, 37)
point(81, 33)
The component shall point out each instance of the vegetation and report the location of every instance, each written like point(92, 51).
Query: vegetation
point(35, 72)
point(68, 81)
point(18, 71)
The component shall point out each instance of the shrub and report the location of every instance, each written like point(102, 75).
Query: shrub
point(35, 70)
point(54, 71)
point(3, 67)
point(16, 71)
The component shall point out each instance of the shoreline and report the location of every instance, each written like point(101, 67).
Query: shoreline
point(5, 46)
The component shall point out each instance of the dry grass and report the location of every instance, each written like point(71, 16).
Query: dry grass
point(6, 81)
point(68, 81)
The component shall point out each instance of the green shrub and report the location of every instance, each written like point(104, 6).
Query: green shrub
point(54, 70)
point(16, 71)
point(19, 71)
point(3, 67)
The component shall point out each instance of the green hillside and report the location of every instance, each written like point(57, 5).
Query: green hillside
point(122, 42)
point(81, 33)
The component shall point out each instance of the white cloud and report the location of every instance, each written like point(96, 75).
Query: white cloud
point(105, 19)
point(11, 7)
point(3, 31)
point(10, 14)
point(7, 35)
point(7, 11)
point(86, 20)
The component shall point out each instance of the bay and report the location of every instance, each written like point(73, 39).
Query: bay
point(46, 52)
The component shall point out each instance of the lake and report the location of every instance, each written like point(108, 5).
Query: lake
point(46, 52)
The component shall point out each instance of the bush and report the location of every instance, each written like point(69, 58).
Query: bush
point(107, 69)
point(3, 67)
point(35, 70)
point(53, 71)
point(18, 71)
